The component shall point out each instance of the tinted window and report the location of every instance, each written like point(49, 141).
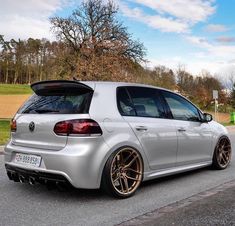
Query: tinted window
point(125, 105)
point(146, 102)
point(63, 104)
point(181, 109)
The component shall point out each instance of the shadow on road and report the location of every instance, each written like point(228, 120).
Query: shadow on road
point(176, 176)
point(91, 194)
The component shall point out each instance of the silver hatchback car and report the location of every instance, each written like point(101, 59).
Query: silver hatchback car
point(110, 135)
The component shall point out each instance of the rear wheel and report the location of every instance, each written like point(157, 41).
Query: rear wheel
point(123, 172)
point(222, 153)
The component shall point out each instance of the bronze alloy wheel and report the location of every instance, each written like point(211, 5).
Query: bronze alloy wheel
point(123, 172)
point(223, 152)
point(126, 171)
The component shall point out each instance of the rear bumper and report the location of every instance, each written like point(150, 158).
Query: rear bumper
point(81, 165)
point(14, 173)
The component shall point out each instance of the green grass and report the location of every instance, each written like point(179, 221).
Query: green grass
point(4, 131)
point(11, 89)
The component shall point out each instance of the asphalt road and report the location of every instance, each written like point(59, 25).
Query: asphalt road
point(214, 207)
point(22, 204)
point(201, 213)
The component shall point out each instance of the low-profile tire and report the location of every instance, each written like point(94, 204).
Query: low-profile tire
point(222, 154)
point(123, 173)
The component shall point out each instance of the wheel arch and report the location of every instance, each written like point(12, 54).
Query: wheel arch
point(118, 147)
point(216, 164)
point(219, 138)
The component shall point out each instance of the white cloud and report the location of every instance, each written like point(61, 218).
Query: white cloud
point(165, 24)
point(216, 28)
point(199, 41)
point(194, 10)
point(213, 50)
point(28, 18)
point(179, 16)
point(171, 62)
point(213, 57)
point(225, 39)
point(195, 67)
point(171, 16)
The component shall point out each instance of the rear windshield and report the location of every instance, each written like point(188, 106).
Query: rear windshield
point(62, 104)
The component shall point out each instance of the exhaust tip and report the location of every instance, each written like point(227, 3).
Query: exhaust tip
point(22, 179)
point(31, 180)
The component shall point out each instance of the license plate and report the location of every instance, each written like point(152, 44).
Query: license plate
point(29, 160)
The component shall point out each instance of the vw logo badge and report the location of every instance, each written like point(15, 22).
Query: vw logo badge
point(31, 126)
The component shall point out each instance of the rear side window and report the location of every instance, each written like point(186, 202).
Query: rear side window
point(125, 106)
point(146, 102)
point(181, 109)
point(60, 104)
point(139, 101)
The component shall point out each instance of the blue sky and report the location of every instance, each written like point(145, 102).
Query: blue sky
point(199, 34)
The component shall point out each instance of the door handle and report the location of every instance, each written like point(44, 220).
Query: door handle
point(141, 128)
point(181, 129)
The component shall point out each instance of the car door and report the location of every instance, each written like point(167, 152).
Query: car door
point(142, 108)
point(194, 137)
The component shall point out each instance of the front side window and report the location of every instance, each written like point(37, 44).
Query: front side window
point(181, 109)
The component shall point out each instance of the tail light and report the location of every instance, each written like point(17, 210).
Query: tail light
point(13, 125)
point(77, 127)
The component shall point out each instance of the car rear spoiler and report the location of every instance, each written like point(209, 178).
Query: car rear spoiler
point(59, 87)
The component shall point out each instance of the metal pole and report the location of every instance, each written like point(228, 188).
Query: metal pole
point(215, 97)
point(215, 109)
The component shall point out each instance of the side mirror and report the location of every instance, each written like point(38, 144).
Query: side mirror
point(207, 117)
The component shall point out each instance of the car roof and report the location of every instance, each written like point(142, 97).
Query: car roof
point(118, 84)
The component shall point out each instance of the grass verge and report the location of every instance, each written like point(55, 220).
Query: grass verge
point(12, 89)
point(4, 131)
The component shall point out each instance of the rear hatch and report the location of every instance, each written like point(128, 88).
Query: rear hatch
point(53, 101)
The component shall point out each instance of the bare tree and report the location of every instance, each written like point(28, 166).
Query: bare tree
point(229, 80)
point(100, 44)
point(6, 55)
point(163, 77)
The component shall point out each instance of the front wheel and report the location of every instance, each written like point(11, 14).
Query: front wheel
point(222, 154)
point(123, 172)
